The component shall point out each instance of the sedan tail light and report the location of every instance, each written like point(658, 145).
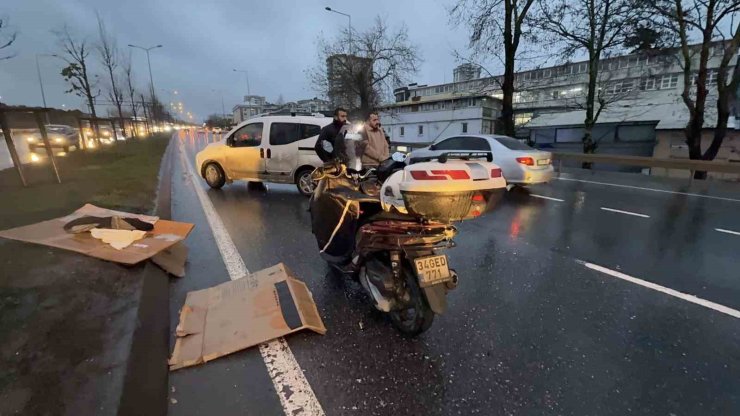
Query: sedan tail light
point(528, 161)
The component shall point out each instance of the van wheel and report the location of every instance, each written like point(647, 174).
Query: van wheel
point(304, 183)
point(214, 176)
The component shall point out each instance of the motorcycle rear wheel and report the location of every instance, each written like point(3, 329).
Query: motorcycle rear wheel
point(418, 317)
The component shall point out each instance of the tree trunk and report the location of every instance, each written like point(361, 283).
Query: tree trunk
point(588, 124)
point(507, 87)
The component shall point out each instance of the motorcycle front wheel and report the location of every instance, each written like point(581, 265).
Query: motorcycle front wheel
point(418, 316)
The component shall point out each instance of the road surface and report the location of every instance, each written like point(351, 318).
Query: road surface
point(604, 295)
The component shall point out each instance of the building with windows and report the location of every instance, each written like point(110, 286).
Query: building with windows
point(255, 105)
point(644, 115)
point(466, 72)
point(343, 69)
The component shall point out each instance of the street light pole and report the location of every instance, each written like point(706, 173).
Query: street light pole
point(41, 82)
point(151, 79)
point(223, 108)
point(246, 76)
point(149, 62)
point(329, 9)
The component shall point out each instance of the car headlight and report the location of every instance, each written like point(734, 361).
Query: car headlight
point(31, 139)
point(58, 140)
point(106, 134)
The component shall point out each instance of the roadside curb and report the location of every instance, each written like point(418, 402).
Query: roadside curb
point(146, 380)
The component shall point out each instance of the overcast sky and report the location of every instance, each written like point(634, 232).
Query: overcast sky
point(205, 40)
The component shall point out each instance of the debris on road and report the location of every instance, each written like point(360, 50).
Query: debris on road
point(243, 313)
point(70, 233)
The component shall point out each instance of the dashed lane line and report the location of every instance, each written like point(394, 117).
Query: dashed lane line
point(625, 212)
point(668, 291)
point(650, 189)
point(549, 198)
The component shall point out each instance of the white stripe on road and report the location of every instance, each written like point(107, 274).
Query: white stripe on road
point(296, 395)
point(722, 230)
point(650, 189)
point(689, 298)
point(546, 197)
point(625, 212)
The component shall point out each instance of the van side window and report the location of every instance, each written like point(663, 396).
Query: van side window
point(284, 133)
point(248, 136)
point(309, 130)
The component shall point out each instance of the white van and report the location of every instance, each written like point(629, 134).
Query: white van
point(265, 149)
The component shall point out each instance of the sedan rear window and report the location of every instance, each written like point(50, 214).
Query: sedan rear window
point(511, 144)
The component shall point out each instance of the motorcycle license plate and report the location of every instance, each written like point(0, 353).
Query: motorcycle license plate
point(432, 270)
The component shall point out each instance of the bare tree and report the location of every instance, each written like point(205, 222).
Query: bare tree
point(108, 50)
point(131, 91)
point(702, 20)
point(497, 25)
point(596, 28)
point(75, 52)
point(355, 74)
point(7, 38)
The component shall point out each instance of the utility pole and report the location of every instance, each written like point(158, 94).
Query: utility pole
point(329, 9)
point(246, 76)
point(149, 62)
point(146, 118)
point(41, 85)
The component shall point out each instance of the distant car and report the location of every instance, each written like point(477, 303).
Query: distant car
point(217, 130)
point(60, 136)
point(520, 164)
point(265, 149)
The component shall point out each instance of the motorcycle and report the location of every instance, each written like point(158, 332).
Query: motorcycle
point(387, 227)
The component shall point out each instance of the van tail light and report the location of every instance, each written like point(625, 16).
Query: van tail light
point(439, 175)
point(495, 173)
point(528, 161)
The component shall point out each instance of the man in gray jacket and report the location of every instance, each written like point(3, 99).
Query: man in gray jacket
point(373, 147)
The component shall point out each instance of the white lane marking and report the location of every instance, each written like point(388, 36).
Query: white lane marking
point(668, 291)
point(296, 395)
point(625, 212)
point(651, 189)
point(722, 230)
point(546, 197)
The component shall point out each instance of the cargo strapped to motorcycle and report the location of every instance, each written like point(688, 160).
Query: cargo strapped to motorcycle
point(444, 157)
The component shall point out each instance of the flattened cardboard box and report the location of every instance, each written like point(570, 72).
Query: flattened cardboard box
point(51, 233)
point(243, 313)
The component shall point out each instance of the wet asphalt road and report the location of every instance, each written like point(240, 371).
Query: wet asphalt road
point(530, 330)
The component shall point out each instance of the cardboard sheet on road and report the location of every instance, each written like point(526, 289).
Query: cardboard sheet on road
point(51, 233)
point(243, 313)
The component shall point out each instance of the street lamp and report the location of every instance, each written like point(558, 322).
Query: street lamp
point(329, 9)
point(149, 62)
point(223, 109)
point(246, 76)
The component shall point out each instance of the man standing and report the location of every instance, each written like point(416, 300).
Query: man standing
point(330, 144)
point(374, 146)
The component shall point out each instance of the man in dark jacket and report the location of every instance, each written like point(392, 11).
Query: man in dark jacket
point(330, 144)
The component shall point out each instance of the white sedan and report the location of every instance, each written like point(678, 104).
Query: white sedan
point(520, 164)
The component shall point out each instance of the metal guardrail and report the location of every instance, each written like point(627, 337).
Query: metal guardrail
point(650, 162)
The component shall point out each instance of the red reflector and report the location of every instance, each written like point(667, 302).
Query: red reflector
point(476, 213)
point(496, 173)
point(525, 161)
point(437, 175)
point(478, 198)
